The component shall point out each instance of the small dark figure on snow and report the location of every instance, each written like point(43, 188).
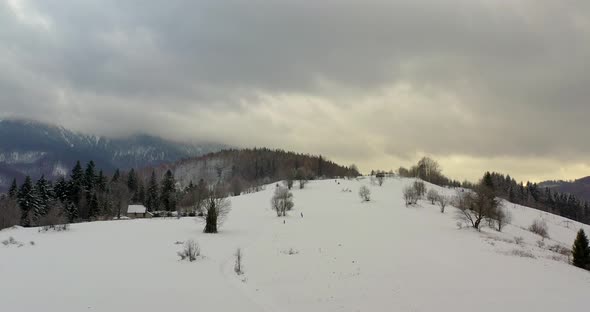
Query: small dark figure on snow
point(302, 214)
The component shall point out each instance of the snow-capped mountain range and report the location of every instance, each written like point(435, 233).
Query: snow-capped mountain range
point(34, 148)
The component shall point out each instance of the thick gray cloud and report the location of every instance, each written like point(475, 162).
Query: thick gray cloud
point(484, 84)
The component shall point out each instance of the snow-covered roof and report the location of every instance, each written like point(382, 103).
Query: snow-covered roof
point(136, 209)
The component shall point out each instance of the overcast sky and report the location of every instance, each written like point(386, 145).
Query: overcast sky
point(479, 85)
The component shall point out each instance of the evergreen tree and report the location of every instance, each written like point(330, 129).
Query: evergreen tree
point(581, 251)
point(168, 194)
point(44, 195)
point(89, 176)
point(71, 212)
point(101, 182)
point(27, 201)
point(152, 199)
point(76, 185)
point(488, 181)
point(77, 173)
point(61, 189)
point(93, 207)
point(13, 191)
point(116, 176)
point(106, 203)
point(141, 193)
point(132, 184)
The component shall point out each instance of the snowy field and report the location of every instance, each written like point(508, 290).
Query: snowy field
point(345, 256)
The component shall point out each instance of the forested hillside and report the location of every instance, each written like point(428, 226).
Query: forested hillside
point(87, 193)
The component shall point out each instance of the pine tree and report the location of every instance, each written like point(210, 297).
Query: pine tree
point(27, 201)
point(101, 182)
point(76, 185)
point(89, 176)
point(77, 173)
point(488, 181)
point(13, 191)
point(93, 206)
point(44, 194)
point(61, 189)
point(116, 176)
point(320, 166)
point(168, 194)
point(106, 204)
point(141, 193)
point(581, 251)
point(152, 200)
point(132, 184)
point(71, 212)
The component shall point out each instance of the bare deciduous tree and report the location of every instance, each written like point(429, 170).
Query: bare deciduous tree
point(10, 213)
point(282, 201)
point(420, 188)
point(120, 197)
point(55, 218)
point(476, 206)
point(216, 207)
point(410, 195)
point(500, 217)
point(365, 193)
point(443, 201)
point(432, 196)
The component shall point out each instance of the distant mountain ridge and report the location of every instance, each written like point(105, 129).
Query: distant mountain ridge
point(580, 187)
point(34, 148)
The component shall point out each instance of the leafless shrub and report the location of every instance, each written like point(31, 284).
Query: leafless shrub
point(238, 267)
point(365, 193)
point(191, 251)
point(501, 217)
point(560, 258)
point(56, 228)
point(432, 196)
point(420, 188)
point(289, 183)
point(54, 220)
point(282, 201)
point(519, 240)
point(291, 252)
point(541, 244)
point(410, 195)
point(11, 241)
point(302, 183)
point(443, 201)
point(560, 250)
point(522, 253)
point(380, 179)
point(540, 228)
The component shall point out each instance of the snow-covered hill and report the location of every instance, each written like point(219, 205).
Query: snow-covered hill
point(345, 256)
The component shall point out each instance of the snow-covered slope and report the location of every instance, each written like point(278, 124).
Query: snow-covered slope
point(345, 256)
